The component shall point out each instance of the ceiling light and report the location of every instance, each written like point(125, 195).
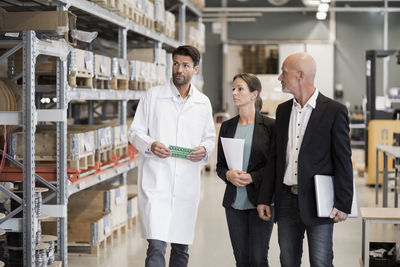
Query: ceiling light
point(325, 1)
point(321, 15)
point(323, 7)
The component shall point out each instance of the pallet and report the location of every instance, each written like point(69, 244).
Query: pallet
point(82, 248)
point(120, 229)
point(119, 84)
point(169, 32)
point(131, 222)
point(104, 154)
point(120, 150)
point(102, 83)
point(137, 17)
point(159, 26)
point(148, 23)
point(56, 264)
point(135, 85)
point(80, 79)
point(82, 162)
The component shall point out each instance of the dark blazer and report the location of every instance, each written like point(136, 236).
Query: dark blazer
point(260, 146)
point(325, 150)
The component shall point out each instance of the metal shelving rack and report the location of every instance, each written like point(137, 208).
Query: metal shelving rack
point(30, 116)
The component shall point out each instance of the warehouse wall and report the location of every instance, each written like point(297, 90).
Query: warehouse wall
point(356, 33)
point(212, 72)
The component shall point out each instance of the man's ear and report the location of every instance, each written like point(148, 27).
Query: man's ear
point(300, 74)
point(196, 69)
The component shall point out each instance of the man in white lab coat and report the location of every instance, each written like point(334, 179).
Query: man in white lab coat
point(169, 188)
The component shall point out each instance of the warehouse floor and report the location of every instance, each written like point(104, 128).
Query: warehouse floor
point(212, 244)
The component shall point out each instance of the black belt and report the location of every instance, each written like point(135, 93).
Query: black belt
point(293, 189)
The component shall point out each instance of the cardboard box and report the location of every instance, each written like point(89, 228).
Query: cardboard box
point(60, 21)
point(102, 66)
point(148, 55)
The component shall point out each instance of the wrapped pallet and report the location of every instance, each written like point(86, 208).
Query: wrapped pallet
point(159, 15)
point(80, 71)
point(81, 146)
point(153, 55)
point(134, 75)
point(102, 71)
point(120, 74)
point(170, 27)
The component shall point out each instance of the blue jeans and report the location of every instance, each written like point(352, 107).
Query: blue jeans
point(291, 234)
point(156, 254)
point(249, 237)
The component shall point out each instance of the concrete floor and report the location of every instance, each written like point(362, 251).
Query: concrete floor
point(212, 246)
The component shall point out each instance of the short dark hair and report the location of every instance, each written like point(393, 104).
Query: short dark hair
point(254, 84)
point(188, 50)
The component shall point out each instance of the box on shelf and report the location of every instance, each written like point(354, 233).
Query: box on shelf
point(132, 207)
point(81, 146)
point(85, 227)
point(81, 69)
point(107, 199)
point(102, 67)
point(60, 21)
point(159, 15)
point(170, 26)
point(152, 55)
point(120, 74)
point(148, 14)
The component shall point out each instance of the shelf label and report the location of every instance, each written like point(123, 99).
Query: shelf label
point(118, 198)
point(107, 228)
point(103, 68)
point(88, 60)
point(88, 146)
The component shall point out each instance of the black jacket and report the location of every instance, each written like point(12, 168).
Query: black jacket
point(262, 136)
point(325, 150)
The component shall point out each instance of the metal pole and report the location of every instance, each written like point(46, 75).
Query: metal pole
point(62, 196)
point(385, 47)
point(182, 22)
point(122, 42)
point(29, 128)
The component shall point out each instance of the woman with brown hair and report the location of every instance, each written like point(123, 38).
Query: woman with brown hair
point(249, 234)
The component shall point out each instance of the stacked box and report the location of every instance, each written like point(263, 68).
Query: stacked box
point(119, 135)
point(162, 74)
point(81, 146)
point(153, 55)
point(159, 15)
point(170, 26)
point(80, 71)
point(102, 67)
point(103, 140)
point(105, 199)
point(148, 13)
point(83, 227)
point(120, 68)
point(132, 207)
point(195, 35)
point(134, 74)
point(120, 74)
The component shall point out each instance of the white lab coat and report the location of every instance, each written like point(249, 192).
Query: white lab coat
point(169, 189)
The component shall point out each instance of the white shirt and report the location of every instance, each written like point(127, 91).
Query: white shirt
point(299, 118)
point(178, 99)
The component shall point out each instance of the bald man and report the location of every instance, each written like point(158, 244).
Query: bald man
point(312, 137)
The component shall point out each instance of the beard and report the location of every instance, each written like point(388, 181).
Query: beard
point(181, 81)
point(285, 89)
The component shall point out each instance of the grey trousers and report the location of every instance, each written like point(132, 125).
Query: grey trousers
point(156, 254)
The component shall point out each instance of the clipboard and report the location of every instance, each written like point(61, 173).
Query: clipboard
point(325, 196)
